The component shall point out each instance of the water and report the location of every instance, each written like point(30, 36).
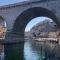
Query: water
point(1, 51)
point(32, 50)
point(35, 50)
point(14, 51)
point(24, 51)
point(30, 53)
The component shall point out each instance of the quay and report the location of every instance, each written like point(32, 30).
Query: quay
point(57, 40)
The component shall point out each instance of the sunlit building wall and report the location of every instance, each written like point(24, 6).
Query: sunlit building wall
point(3, 28)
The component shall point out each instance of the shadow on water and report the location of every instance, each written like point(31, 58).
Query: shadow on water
point(14, 51)
point(31, 50)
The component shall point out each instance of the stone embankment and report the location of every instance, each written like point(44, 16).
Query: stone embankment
point(51, 40)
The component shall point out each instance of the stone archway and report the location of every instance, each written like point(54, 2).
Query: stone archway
point(26, 16)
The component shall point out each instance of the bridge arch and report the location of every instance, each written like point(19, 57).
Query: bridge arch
point(26, 16)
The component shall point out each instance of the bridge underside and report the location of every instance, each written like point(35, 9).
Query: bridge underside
point(23, 19)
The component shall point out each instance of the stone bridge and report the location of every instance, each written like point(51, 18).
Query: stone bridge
point(18, 15)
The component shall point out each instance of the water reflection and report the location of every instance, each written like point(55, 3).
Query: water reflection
point(1, 52)
point(32, 50)
point(14, 51)
point(35, 50)
point(28, 52)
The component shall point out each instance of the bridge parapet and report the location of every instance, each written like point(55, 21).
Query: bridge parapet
point(23, 3)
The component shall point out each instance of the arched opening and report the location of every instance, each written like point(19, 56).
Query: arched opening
point(36, 22)
point(23, 19)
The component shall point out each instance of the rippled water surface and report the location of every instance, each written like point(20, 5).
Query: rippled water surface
point(32, 50)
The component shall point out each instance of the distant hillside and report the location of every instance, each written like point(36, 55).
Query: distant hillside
point(43, 28)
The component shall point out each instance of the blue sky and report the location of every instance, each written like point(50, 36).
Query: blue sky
point(6, 2)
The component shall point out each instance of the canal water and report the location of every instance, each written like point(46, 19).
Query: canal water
point(35, 50)
point(32, 50)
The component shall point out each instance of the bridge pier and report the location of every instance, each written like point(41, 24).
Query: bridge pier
point(14, 47)
point(14, 38)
